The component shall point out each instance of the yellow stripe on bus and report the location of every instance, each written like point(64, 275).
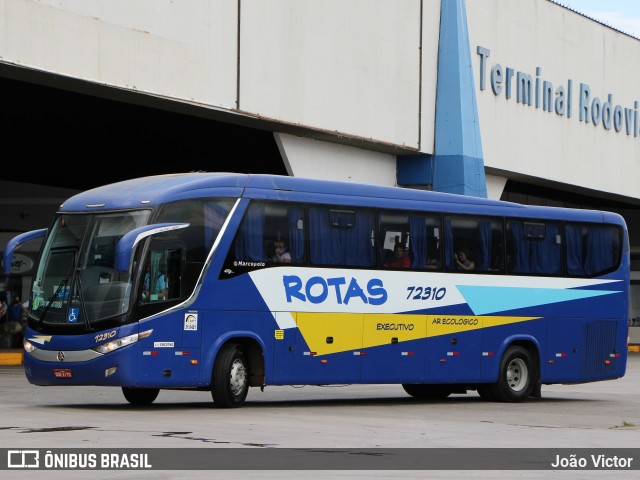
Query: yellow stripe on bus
point(327, 333)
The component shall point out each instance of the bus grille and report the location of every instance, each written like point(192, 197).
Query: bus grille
point(598, 341)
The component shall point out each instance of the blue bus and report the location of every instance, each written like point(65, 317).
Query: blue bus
point(221, 282)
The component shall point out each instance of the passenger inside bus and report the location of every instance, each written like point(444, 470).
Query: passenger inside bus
point(399, 260)
point(280, 252)
point(463, 261)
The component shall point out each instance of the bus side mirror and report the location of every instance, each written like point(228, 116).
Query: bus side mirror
point(128, 242)
point(16, 242)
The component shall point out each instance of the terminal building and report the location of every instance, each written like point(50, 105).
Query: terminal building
point(525, 101)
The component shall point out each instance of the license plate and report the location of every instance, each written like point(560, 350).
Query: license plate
point(62, 373)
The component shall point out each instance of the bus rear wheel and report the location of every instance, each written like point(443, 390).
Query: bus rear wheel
point(517, 376)
point(427, 392)
point(140, 396)
point(230, 381)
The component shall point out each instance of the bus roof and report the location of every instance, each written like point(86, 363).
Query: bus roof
point(159, 189)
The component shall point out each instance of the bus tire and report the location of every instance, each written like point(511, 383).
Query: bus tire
point(140, 396)
point(230, 380)
point(427, 392)
point(517, 376)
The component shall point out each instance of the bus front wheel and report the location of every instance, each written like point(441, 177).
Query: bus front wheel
point(140, 396)
point(517, 376)
point(230, 382)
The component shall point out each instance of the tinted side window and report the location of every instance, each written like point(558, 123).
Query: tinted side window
point(473, 244)
point(534, 247)
point(269, 234)
point(591, 249)
point(393, 240)
point(409, 240)
point(341, 236)
point(179, 256)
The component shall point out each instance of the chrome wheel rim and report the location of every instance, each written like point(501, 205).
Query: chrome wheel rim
point(238, 377)
point(517, 374)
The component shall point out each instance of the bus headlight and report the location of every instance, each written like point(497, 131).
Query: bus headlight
point(121, 342)
point(28, 346)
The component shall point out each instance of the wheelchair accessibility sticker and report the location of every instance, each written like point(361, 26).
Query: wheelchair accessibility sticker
point(72, 315)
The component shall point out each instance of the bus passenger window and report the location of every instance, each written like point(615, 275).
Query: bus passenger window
point(418, 234)
point(270, 234)
point(393, 238)
point(534, 247)
point(591, 249)
point(341, 237)
point(473, 244)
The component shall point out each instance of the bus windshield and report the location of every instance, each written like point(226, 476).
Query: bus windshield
point(76, 282)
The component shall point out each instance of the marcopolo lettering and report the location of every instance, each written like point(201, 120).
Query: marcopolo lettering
point(339, 289)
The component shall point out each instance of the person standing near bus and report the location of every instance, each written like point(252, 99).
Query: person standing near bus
point(6, 338)
point(3, 310)
point(15, 313)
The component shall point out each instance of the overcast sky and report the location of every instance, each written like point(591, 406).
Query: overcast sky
point(621, 14)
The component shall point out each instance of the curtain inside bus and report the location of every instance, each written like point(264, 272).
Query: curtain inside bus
point(600, 251)
point(296, 234)
point(341, 237)
point(418, 236)
point(573, 235)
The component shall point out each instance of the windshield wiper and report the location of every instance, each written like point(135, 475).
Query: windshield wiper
point(78, 281)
